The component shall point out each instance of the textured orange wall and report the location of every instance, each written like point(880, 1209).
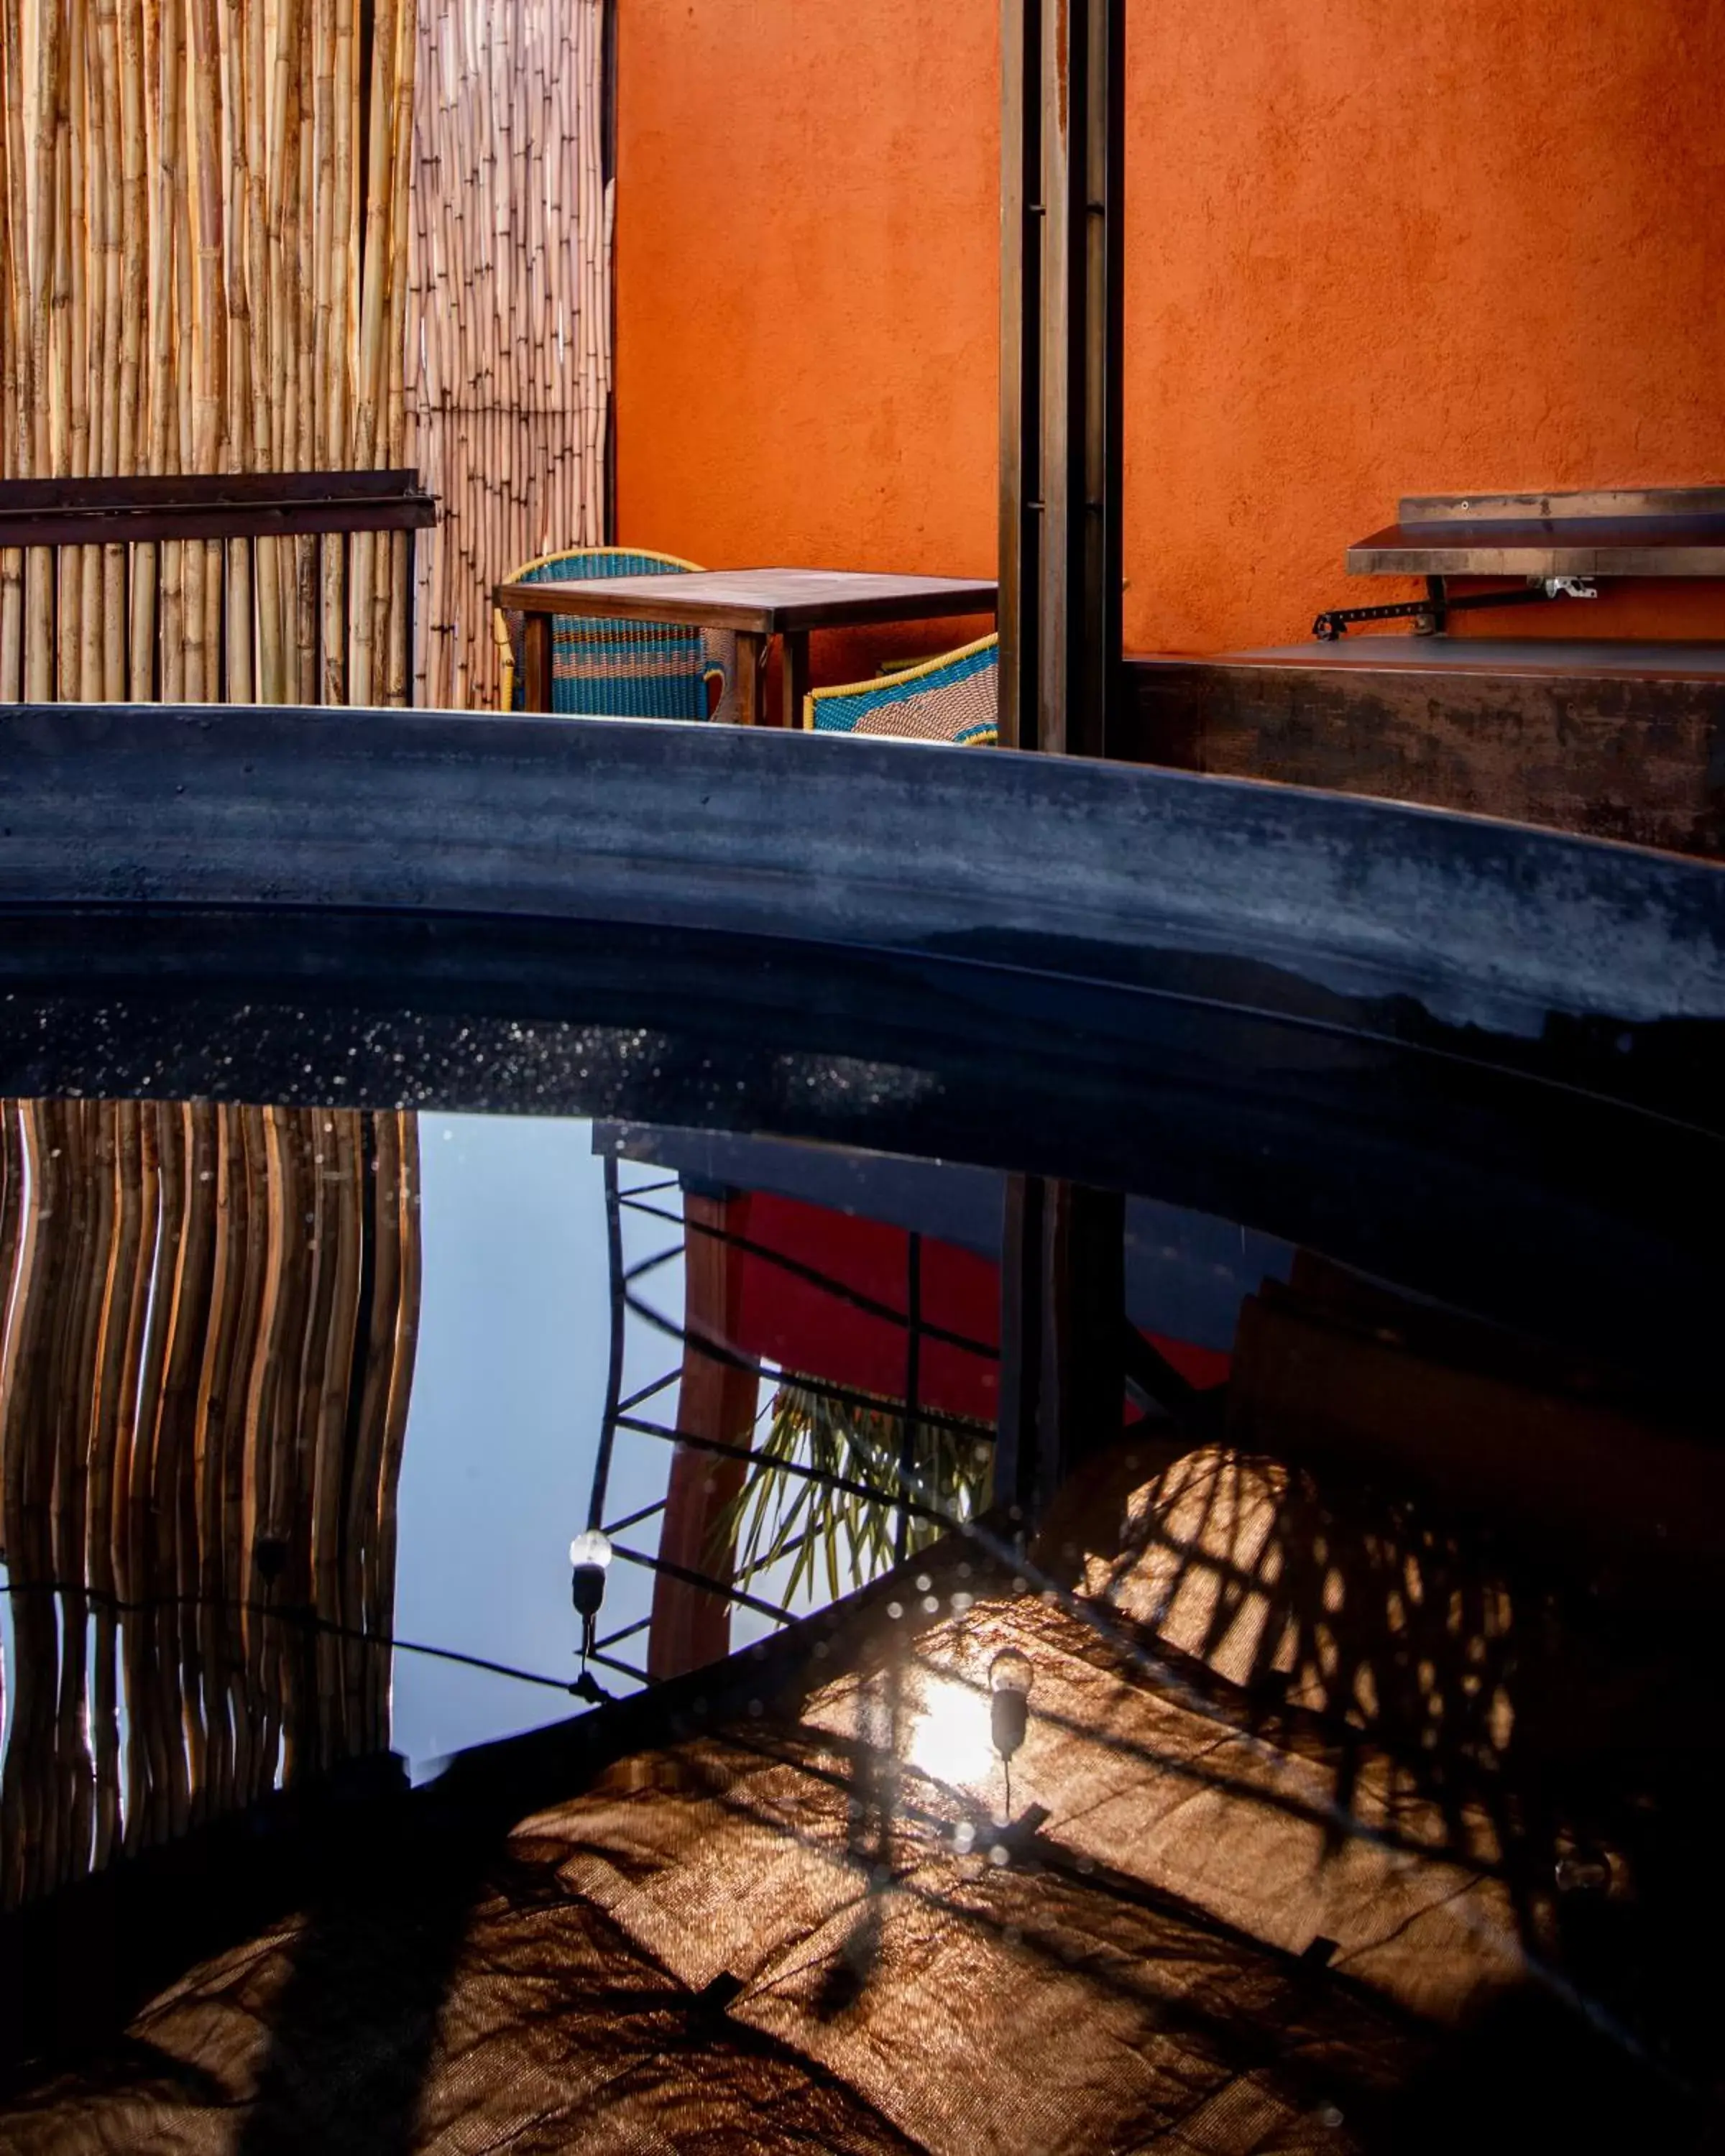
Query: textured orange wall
point(1371, 249)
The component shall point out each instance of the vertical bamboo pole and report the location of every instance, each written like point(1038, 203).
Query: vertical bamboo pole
point(184, 383)
point(392, 614)
point(217, 599)
point(305, 579)
point(84, 564)
point(210, 358)
point(163, 240)
point(38, 569)
point(335, 376)
point(241, 681)
point(66, 407)
point(279, 594)
point(325, 269)
point(106, 355)
point(134, 335)
point(285, 202)
point(14, 326)
point(267, 681)
point(372, 378)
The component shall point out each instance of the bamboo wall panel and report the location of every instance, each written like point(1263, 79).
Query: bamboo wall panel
point(508, 350)
point(206, 239)
point(210, 1317)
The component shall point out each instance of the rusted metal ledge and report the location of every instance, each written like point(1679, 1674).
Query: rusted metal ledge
point(83, 512)
point(1624, 531)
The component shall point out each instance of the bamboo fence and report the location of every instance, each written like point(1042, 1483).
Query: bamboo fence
point(508, 351)
point(210, 1315)
point(206, 233)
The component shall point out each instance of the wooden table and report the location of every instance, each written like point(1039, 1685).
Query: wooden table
point(756, 603)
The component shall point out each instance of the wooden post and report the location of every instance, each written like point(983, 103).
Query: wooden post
point(794, 654)
point(751, 678)
point(536, 662)
point(1062, 130)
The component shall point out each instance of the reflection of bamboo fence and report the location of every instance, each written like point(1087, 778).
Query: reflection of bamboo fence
point(509, 341)
point(206, 239)
point(210, 1318)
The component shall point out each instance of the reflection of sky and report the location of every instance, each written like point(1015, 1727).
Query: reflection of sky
point(509, 1387)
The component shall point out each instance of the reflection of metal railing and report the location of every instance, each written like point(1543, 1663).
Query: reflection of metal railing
point(891, 1482)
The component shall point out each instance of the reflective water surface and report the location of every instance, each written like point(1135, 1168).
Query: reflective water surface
point(1211, 1652)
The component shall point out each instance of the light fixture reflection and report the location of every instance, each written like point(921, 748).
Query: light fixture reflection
point(590, 1547)
point(589, 1554)
point(948, 1737)
point(1010, 1677)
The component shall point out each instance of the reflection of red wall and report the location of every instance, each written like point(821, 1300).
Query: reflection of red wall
point(801, 1325)
point(797, 1322)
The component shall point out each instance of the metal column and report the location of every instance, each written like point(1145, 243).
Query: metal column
point(1062, 130)
point(1062, 139)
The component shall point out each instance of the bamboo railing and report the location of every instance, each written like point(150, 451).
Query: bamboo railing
point(206, 237)
point(210, 1315)
point(509, 375)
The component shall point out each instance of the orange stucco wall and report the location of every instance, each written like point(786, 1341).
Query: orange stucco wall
point(1371, 249)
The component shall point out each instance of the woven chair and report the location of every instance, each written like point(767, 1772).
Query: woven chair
point(619, 669)
point(954, 698)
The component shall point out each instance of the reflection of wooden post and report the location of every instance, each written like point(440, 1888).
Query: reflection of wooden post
point(1063, 1318)
point(691, 1625)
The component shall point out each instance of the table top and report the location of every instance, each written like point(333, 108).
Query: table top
point(767, 601)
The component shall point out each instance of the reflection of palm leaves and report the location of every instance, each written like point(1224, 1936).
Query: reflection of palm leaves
point(777, 1513)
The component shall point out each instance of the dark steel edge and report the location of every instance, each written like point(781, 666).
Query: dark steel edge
point(834, 839)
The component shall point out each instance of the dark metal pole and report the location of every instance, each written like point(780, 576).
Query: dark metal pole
point(1062, 137)
point(1020, 365)
point(913, 1388)
point(410, 592)
point(614, 1372)
point(1063, 1317)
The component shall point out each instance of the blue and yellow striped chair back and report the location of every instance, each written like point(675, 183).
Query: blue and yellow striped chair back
point(954, 698)
point(622, 670)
